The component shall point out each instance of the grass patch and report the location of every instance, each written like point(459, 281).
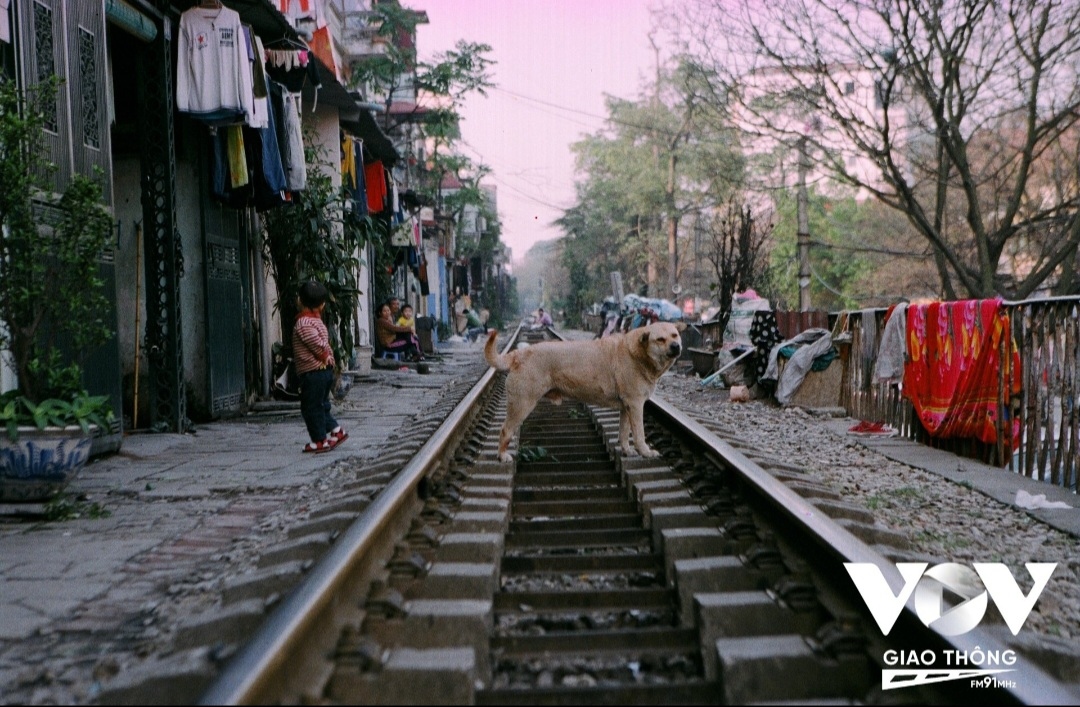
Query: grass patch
point(948, 542)
point(64, 508)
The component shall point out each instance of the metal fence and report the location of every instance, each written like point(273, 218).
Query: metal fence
point(1045, 331)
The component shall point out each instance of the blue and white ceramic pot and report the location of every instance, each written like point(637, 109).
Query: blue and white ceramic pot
point(40, 463)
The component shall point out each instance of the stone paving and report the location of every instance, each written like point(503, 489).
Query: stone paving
point(176, 507)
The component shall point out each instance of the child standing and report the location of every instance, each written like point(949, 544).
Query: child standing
point(313, 360)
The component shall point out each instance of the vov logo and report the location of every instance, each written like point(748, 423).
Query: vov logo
point(929, 585)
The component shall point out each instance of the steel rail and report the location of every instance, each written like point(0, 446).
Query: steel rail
point(1033, 687)
point(258, 664)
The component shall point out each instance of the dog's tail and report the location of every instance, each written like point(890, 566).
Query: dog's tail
point(494, 358)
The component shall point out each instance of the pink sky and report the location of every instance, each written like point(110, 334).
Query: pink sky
point(556, 59)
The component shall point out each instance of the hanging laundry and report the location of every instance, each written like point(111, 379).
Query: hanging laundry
point(238, 172)
point(5, 22)
point(352, 177)
point(213, 73)
point(375, 180)
point(261, 99)
point(303, 10)
point(889, 362)
point(270, 183)
point(290, 139)
point(324, 48)
point(425, 286)
point(764, 335)
point(398, 216)
point(293, 68)
point(348, 164)
point(954, 369)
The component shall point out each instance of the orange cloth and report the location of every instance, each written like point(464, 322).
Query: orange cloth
point(375, 179)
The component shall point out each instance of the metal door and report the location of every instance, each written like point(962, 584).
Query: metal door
point(227, 326)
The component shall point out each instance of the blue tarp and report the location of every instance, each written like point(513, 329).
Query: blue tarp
point(666, 310)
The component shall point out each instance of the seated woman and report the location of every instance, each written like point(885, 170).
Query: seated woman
point(476, 325)
point(394, 338)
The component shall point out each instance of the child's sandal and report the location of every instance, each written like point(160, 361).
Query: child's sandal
point(319, 447)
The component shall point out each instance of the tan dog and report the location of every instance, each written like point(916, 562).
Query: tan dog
point(618, 371)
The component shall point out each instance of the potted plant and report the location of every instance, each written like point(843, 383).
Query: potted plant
point(52, 303)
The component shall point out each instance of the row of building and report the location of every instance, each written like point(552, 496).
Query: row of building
point(147, 98)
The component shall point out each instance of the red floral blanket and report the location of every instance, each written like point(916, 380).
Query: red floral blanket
point(954, 368)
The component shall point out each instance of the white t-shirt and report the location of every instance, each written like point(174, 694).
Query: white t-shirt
point(213, 73)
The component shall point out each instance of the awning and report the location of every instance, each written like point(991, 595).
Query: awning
point(129, 19)
point(262, 15)
point(363, 126)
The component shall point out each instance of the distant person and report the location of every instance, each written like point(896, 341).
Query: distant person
point(394, 338)
point(476, 324)
point(395, 308)
point(313, 360)
point(462, 304)
point(543, 318)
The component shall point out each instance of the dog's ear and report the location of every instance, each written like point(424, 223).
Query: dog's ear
point(645, 339)
point(680, 326)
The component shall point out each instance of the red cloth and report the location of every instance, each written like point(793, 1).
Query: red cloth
point(954, 365)
point(375, 180)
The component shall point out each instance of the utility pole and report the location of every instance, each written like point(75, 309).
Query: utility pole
point(803, 234)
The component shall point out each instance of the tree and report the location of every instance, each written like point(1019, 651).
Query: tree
point(660, 161)
point(966, 111)
point(52, 295)
point(440, 87)
point(316, 238)
point(737, 253)
point(847, 269)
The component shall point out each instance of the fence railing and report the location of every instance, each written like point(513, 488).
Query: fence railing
point(1047, 336)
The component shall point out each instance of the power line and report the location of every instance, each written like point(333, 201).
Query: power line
point(564, 117)
point(867, 249)
point(606, 119)
point(549, 103)
point(509, 186)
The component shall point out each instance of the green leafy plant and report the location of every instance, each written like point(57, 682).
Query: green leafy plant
point(52, 297)
point(317, 238)
point(83, 410)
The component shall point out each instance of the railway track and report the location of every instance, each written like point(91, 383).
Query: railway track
point(577, 576)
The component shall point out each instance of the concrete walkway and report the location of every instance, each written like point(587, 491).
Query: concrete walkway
point(995, 482)
point(183, 495)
